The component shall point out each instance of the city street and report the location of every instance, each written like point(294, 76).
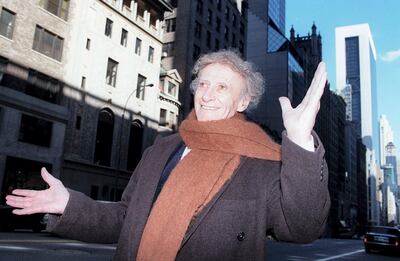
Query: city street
point(323, 250)
point(23, 246)
point(43, 246)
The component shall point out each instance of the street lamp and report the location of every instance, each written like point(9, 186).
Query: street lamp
point(120, 135)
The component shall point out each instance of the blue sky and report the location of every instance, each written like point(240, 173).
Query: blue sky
point(384, 22)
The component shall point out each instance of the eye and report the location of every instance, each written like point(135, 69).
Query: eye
point(221, 87)
point(203, 85)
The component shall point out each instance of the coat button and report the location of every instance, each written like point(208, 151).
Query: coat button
point(241, 236)
point(322, 172)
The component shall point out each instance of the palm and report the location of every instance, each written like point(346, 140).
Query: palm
point(52, 200)
point(300, 121)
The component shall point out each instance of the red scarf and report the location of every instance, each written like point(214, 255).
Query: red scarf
point(216, 147)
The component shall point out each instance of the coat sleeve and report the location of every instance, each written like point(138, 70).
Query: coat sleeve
point(300, 201)
point(88, 220)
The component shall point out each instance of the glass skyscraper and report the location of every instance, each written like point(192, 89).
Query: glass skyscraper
point(276, 59)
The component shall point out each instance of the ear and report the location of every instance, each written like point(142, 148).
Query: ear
point(243, 103)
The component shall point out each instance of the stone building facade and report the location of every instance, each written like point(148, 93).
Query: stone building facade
point(95, 68)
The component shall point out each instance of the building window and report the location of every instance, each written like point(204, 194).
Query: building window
point(170, 25)
point(154, 16)
point(35, 131)
point(218, 25)
point(140, 87)
point(1, 115)
point(104, 137)
point(241, 47)
point(196, 52)
point(172, 120)
point(56, 7)
point(163, 118)
point(226, 33)
point(209, 17)
point(150, 57)
point(135, 144)
point(87, 44)
point(168, 48)
point(22, 174)
point(111, 76)
point(124, 37)
point(94, 192)
point(172, 89)
point(208, 39)
point(126, 3)
point(140, 10)
point(216, 47)
point(44, 87)
point(227, 13)
point(108, 28)
point(197, 30)
point(138, 46)
point(78, 122)
point(83, 82)
point(199, 7)
point(47, 43)
point(234, 20)
point(7, 21)
point(241, 28)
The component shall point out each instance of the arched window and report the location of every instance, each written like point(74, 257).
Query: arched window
point(135, 145)
point(104, 137)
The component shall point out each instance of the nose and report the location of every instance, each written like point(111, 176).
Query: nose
point(208, 94)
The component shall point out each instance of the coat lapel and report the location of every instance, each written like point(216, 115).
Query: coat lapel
point(164, 149)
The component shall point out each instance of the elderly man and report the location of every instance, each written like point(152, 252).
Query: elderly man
point(214, 190)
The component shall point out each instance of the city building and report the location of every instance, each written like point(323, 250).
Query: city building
point(34, 114)
point(362, 188)
point(355, 65)
point(277, 61)
point(351, 188)
point(195, 27)
point(391, 159)
point(346, 94)
point(86, 76)
point(389, 196)
point(310, 49)
point(345, 216)
point(385, 136)
point(335, 156)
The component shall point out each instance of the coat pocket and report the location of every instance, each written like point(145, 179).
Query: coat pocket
point(226, 233)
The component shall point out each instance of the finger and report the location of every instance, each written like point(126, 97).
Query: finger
point(28, 211)
point(285, 104)
point(318, 72)
point(321, 69)
point(24, 192)
point(19, 204)
point(319, 91)
point(17, 198)
point(47, 177)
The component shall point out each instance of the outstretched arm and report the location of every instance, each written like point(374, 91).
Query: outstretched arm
point(300, 198)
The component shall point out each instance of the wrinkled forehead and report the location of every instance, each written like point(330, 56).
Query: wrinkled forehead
point(217, 69)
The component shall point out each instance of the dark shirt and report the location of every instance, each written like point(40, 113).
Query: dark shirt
point(172, 162)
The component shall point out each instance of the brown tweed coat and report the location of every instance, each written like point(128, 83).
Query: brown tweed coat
point(288, 199)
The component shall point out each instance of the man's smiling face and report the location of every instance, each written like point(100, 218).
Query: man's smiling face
point(219, 93)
